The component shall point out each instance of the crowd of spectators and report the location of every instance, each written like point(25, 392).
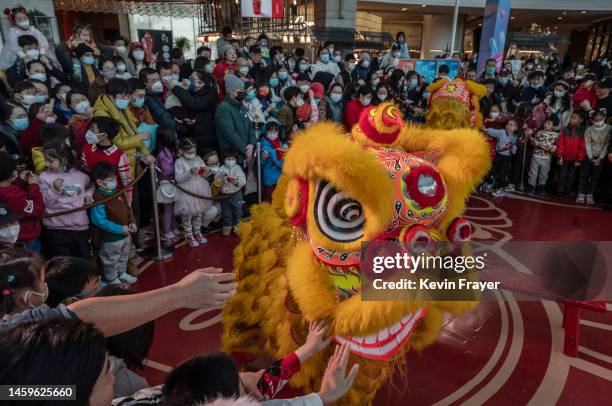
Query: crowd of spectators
point(80, 122)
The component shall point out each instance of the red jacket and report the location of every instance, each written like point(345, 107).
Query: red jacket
point(25, 199)
point(78, 126)
point(582, 94)
point(29, 138)
point(352, 112)
point(570, 145)
point(221, 69)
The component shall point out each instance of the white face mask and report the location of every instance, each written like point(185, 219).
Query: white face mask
point(189, 157)
point(299, 102)
point(24, 25)
point(336, 97)
point(120, 49)
point(39, 76)
point(138, 55)
point(272, 136)
point(157, 87)
point(304, 88)
point(382, 97)
point(494, 114)
point(121, 68)
point(366, 101)
point(82, 107)
point(351, 66)
point(33, 53)
point(230, 163)
point(91, 137)
point(9, 235)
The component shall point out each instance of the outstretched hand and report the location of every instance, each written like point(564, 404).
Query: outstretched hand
point(336, 383)
point(316, 340)
point(207, 288)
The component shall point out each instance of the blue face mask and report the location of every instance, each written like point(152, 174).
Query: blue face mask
point(20, 124)
point(503, 80)
point(414, 82)
point(274, 82)
point(122, 104)
point(303, 67)
point(41, 98)
point(325, 58)
point(536, 86)
point(192, 85)
point(138, 102)
point(283, 75)
point(110, 185)
point(88, 60)
point(490, 70)
point(251, 95)
point(208, 68)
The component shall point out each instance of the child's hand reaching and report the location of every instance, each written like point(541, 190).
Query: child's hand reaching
point(315, 342)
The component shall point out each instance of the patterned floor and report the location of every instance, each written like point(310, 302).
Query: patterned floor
point(505, 352)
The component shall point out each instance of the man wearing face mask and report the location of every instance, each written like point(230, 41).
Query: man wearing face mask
point(234, 129)
point(536, 91)
point(89, 72)
point(258, 65)
point(154, 100)
point(506, 89)
point(354, 108)
point(604, 99)
point(325, 64)
point(347, 69)
point(24, 93)
point(287, 115)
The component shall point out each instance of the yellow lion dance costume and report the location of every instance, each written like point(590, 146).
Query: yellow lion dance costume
point(299, 257)
point(454, 104)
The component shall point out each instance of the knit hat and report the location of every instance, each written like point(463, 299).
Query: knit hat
point(225, 49)
point(232, 83)
point(82, 49)
point(317, 89)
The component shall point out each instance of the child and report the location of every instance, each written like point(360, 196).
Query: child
point(9, 226)
point(166, 138)
point(64, 187)
point(571, 151)
point(189, 172)
point(585, 97)
point(232, 180)
point(211, 158)
point(544, 143)
point(113, 221)
point(219, 376)
point(100, 148)
point(70, 279)
point(596, 140)
point(272, 155)
point(23, 196)
point(504, 149)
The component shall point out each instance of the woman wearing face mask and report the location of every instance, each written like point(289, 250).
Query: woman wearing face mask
point(108, 71)
point(121, 54)
point(80, 120)
point(122, 69)
point(301, 66)
point(362, 70)
point(20, 25)
point(87, 71)
point(400, 39)
point(392, 57)
point(381, 95)
point(138, 57)
point(61, 108)
point(285, 78)
point(398, 87)
point(354, 108)
point(560, 102)
point(335, 103)
point(198, 95)
point(144, 118)
point(29, 138)
point(271, 77)
point(13, 120)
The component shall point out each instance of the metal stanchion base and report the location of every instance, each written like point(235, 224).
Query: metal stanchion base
point(151, 253)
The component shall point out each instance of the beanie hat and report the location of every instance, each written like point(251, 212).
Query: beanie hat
point(232, 83)
point(317, 89)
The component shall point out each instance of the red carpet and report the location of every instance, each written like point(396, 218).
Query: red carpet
point(503, 353)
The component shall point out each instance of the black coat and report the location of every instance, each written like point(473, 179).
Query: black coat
point(201, 107)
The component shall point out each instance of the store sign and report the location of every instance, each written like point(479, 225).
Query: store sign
point(157, 44)
point(262, 8)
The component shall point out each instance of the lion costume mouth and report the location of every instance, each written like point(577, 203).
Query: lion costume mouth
point(386, 342)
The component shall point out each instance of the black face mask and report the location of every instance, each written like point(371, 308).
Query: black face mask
point(241, 95)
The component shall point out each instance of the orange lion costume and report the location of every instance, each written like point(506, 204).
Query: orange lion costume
point(455, 104)
point(299, 257)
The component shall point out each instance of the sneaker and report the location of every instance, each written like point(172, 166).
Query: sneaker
point(200, 238)
point(127, 278)
point(235, 230)
point(192, 241)
point(580, 198)
point(589, 199)
point(509, 188)
point(169, 236)
point(498, 193)
point(177, 233)
point(487, 188)
point(227, 230)
point(115, 282)
point(540, 190)
point(530, 189)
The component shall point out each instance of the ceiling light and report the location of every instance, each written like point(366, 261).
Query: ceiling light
point(480, 24)
point(556, 27)
point(512, 18)
point(583, 12)
point(423, 5)
point(559, 18)
point(564, 13)
point(405, 8)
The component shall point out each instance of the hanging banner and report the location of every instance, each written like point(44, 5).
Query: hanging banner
point(262, 8)
point(493, 38)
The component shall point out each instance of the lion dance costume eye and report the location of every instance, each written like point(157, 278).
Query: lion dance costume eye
point(300, 257)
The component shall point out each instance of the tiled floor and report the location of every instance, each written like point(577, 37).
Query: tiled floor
point(505, 352)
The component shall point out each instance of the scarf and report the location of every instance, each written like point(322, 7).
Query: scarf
point(280, 154)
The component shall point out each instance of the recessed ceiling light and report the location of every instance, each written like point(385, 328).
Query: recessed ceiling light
point(564, 13)
point(556, 27)
point(405, 8)
point(423, 5)
point(559, 18)
point(480, 24)
point(512, 18)
point(583, 12)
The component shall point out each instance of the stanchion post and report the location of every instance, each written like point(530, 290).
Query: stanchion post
point(259, 172)
point(156, 252)
point(522, 184)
